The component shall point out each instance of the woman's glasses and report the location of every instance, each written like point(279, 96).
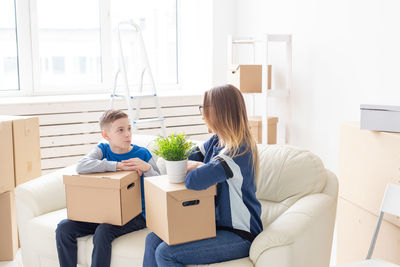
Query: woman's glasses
point(201, 109)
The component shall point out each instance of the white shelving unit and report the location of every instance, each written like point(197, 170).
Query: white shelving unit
point(266, 93)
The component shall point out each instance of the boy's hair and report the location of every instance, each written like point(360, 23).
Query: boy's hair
point(110, 116)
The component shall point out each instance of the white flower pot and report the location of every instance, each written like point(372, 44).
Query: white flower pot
point(176, 170)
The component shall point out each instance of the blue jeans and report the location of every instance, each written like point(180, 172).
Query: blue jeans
point(68, 231)
point(224, 247)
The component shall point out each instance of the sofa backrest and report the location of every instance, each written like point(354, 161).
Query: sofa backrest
point(286, 174)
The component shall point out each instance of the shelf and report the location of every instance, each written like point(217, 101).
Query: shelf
point(247, 41)
point(279, 37)
point(270, 37)
point(278, 92)
point(275, 93)
point(282, 92)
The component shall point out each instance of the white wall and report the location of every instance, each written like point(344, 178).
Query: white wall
point(224, 23)
point(195, 22)
point(345, 52)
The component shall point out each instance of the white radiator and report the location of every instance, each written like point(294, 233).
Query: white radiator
point(69, 127)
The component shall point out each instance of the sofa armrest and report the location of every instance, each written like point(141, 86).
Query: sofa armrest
point(288, 227)
point(43, 194)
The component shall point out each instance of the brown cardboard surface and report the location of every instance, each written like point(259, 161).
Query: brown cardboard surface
point(8, 227)
point(247, 78)
point(26, 144)
point(355, 227)
point(6, 156)
point(368, 161)
point(269, 74)
point(110, 197)
point(173, 222)
point(256, 128)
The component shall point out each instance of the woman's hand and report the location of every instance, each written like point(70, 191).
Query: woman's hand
point(191, 165)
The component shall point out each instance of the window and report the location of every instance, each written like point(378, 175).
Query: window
point(68, 30)
point(9, 79)
point(69, 46)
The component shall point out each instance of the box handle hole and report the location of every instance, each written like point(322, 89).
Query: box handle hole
point(190, 203)
point(130, 186)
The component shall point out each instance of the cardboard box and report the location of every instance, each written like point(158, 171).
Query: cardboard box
point(256, 128)
point(355, 227)
point(6, 156)
point(380, 118)
point(26, 145)
point(368, 161)
point(177, 214)
point(8, 227)
point(110, 197)
point(247, 78)
point(27, 161)
point(269, 76)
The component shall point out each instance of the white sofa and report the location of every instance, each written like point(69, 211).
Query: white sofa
point(298, 197)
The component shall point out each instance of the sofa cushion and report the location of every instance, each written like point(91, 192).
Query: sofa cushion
point(243, 262)
point(47, 192)
point(129, 247)
point(288, 172)
point(43, 228)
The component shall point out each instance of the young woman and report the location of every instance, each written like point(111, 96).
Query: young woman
point(230, 160)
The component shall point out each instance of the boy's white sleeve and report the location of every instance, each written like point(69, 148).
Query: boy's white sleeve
point(93, 162)
point(154, 171)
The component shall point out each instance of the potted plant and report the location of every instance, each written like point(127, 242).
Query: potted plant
point(175, 149)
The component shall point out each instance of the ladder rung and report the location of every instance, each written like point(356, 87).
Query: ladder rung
point(148, 120)
point(116, 95)
point(143, 96)
point(135, 96)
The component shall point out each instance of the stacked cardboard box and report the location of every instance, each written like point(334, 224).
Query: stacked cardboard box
point(8, 227)
point(368, 161)
point(19, 162)
point(256, 128)
point(247, 78)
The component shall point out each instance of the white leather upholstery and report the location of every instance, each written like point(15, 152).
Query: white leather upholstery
point(298, 197)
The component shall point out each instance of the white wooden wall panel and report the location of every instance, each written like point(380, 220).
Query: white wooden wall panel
point(69, 128)
point(65, 140)
point(63, 151)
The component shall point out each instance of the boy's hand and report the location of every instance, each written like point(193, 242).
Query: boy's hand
point(191, 165)
point(135, 164)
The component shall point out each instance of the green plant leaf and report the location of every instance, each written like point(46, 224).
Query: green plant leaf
point(174, 147)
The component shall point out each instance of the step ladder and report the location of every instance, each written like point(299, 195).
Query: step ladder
point(131, 99)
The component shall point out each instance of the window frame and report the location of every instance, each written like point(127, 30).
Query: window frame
point(29, 58)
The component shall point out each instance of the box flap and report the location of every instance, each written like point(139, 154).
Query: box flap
point(14, 118)
point(179, 191)
point(379, 107)
point(4, 118)
point(115, 180)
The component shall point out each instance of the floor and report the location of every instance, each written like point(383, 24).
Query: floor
point(17, 262)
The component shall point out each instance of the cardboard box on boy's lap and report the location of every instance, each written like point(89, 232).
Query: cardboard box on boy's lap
point(110, 197)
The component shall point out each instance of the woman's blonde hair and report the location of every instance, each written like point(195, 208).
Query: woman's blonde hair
point(225, 113)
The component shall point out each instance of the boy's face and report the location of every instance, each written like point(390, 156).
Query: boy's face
point(118, 133)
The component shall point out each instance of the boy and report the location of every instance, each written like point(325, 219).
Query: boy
point(118, 154)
